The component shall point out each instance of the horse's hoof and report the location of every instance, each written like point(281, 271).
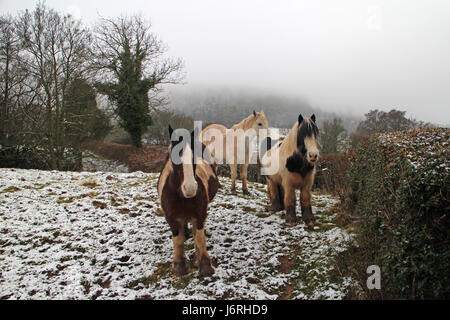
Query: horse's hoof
point(310, 224)
point(233, 192)
point(291, 224)
point(205, 269)
point(275, 208)
point(291, 217)
point(179, 268)
point(246, 192)
point(308, 216)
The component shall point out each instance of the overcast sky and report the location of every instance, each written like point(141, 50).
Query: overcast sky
point(339, 55)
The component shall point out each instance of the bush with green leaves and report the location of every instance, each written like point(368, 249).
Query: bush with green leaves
point(400, 186)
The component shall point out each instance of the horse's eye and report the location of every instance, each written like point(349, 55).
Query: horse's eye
point(260, 124)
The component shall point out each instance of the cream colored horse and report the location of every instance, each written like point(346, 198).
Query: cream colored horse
point(232, 146)
point(294, 159)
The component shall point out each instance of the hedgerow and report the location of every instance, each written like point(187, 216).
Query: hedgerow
point(400, 188)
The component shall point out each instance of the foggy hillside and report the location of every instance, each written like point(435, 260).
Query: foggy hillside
point(229, 106)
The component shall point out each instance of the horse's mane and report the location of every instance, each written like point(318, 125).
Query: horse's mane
point(306, 129)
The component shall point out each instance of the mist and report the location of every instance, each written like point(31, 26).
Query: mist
point(340, 56)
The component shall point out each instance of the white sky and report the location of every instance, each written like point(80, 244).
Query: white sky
point(340, 55)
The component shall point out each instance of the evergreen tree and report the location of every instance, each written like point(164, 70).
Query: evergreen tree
point(85, 121)
point(130, 95)
point(130, 58)
point(331, 133)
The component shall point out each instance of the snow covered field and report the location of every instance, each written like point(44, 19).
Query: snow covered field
point(96, 235)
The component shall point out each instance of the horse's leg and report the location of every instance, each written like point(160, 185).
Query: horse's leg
point(233, 169)
point(273, 189)
point(244, 168)
point(281, 193)
point(305, 202)
point(203, 260)
point(289, 203)
point(178, 238)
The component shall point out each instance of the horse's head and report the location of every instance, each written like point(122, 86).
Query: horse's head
point(259, 121)
point(307, 135)
point(184, 160)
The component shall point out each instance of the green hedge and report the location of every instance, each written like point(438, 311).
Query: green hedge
point(400, 188)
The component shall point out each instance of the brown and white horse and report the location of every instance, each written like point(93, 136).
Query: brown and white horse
point(185, 188)
point(229, 141)
point(294, 158)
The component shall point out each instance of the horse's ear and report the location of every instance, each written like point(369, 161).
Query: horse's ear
point(262, 112)
point(313, 118)
point(170, 131)
point(300, 119)
point(254, 113)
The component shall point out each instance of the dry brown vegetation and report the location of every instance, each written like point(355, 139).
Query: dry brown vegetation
point(149, 158)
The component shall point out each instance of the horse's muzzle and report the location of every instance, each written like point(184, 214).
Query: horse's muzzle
point(312, 157)
point(189, 190)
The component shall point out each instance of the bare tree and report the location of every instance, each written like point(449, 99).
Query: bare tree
point(56, 52)
point(12, 80)
point(20, 120)
point(134, 70)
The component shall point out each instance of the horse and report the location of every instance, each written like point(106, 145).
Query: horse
point(295, 158)
point(185, 190)
point(229, 139)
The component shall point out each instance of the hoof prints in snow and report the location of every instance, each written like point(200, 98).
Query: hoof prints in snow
point(69, 235)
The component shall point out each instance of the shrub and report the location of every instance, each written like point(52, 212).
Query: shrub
point(400, 188)
point(22, 157)
point(331, 175)
point(37, 158)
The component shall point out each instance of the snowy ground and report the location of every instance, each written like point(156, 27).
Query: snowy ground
point(93, 163)
point(69, 235)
